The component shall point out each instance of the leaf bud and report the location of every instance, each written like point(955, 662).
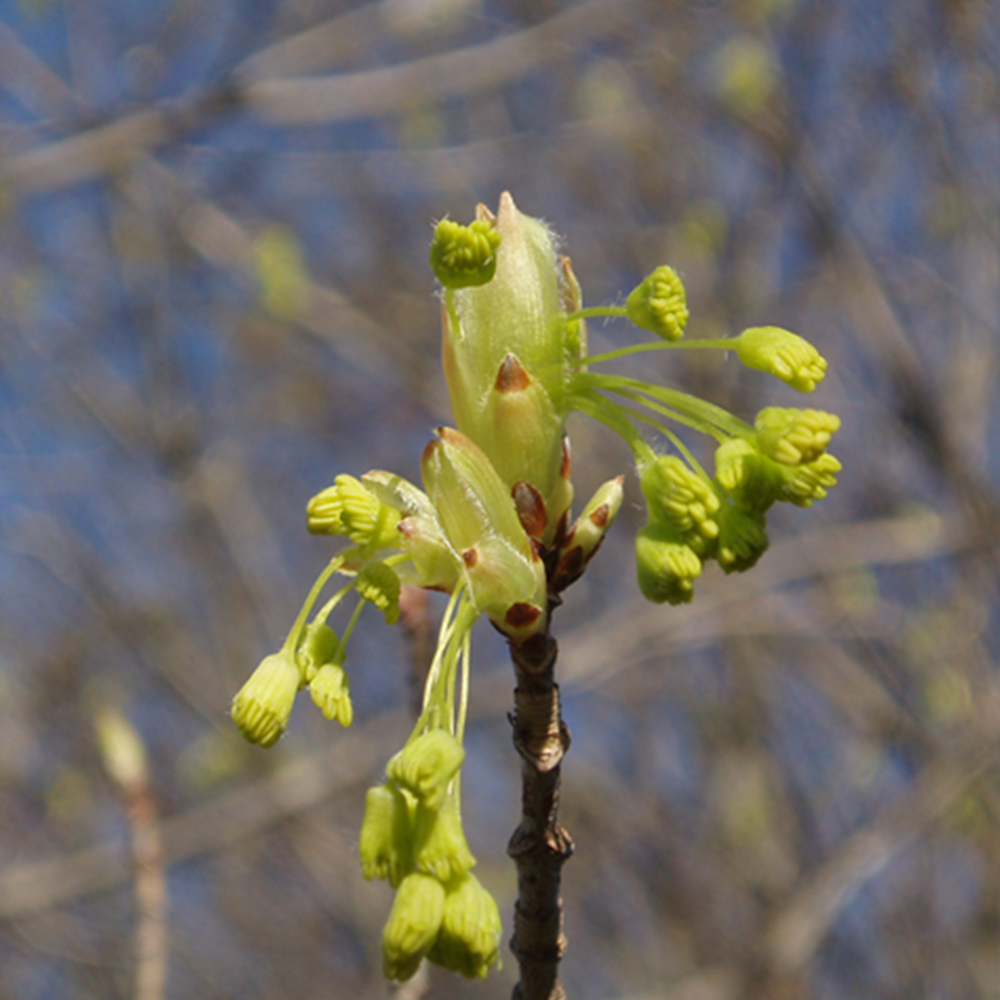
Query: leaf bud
point(480, 521)
point(507, 348)
point(587, 533)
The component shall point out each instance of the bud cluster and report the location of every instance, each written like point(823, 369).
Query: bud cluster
point(493, 528)
point(693, 518)
point(412, 837)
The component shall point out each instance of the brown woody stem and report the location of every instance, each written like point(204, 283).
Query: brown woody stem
point(539, 846)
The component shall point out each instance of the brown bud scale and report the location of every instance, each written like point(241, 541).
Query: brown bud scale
point(512, 376)
point(522, 614)
point(530, 508)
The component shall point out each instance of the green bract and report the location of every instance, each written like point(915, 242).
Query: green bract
point(506, 347)
point(504, 574)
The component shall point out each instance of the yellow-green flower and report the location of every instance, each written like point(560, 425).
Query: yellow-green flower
point(795, 437)
point(427, 765)
point(683, 498)
point(263, 705)
point(464, 256)
point(783, 354)
point(667, 567)
point(413, 925)
point(469, 940)
point(441, 848)
point(331, 693)
point(379, 583)
point(385, 843)
point(349, 508)
point(659, 304)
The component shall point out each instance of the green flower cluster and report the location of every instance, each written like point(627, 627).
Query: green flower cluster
point(412, 837)
point(693, 518)
point(313, 656)
point(492, 528)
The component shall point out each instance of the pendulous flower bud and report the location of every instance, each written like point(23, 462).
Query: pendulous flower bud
point(469, 939)
point(331, 693)
point(379, 583)
point(783, 354)
point(441, 847)
point(319, 645)
point(811, 481)
point(349, 508)
point(667, 568)
point(385, 843)
point(263, 705)
point(413, 925)
point(753, 481)
point(678, 495)
point(742, 539)
point(427, 765)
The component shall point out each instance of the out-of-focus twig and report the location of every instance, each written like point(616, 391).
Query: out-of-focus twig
point(33, 887)
point(804, 921)
point(471, 70)
point(116, 145)
point(125, 760)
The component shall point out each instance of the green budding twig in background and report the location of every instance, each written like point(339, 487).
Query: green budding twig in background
point(493, 529)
